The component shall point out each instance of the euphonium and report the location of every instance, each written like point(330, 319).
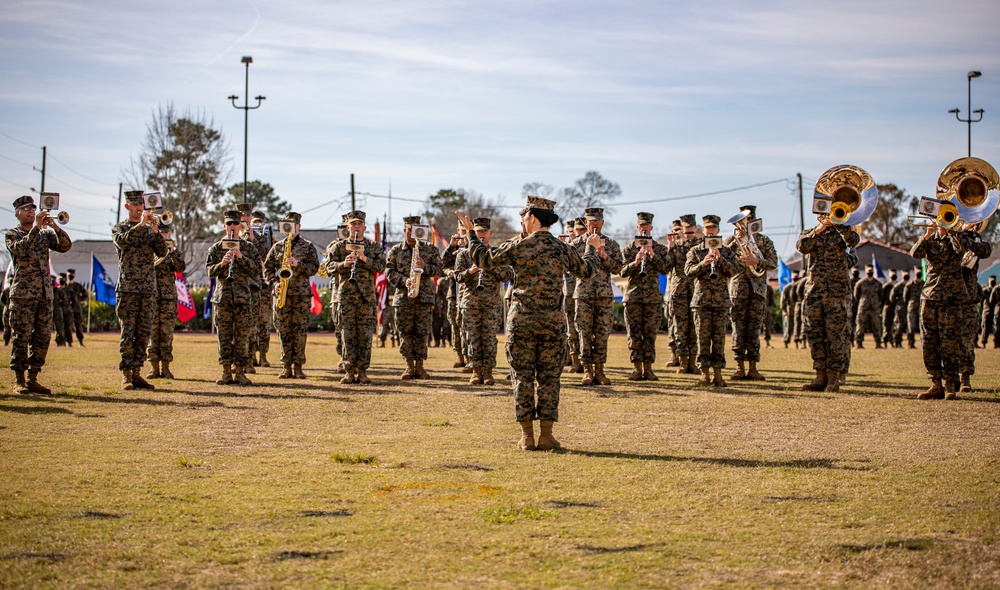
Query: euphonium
point(746, 244)
point(852, 194)
point(285, 272)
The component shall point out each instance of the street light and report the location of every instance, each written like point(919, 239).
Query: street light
point(969, 121)
point(246, 117)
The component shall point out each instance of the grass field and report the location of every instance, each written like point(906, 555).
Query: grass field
point(420, 484)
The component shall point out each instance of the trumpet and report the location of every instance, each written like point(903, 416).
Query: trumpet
point(712, 243)
point(746, 244)
point(50, 202)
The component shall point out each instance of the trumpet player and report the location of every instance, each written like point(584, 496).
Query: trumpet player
point(138, 242)
point(234, 263)
point(292, 318)
point(411, 266)
point(246, 233)
point(355, 263)
point(643, 261)
point(679, 291)
point(482, 308)
point(30, 291)
point(575, 228)
point(710, 269)
point(160, 350)
point(335, 308)
point(260, 343)
point(748, 292)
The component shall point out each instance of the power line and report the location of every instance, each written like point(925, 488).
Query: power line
point(21, 186)
point(708, 194)
point(16, 161)
point(19, 141)
point(65, 165)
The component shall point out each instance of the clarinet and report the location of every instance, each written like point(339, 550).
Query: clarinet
point(229, 275)
point(479, 285)
point(354, 266)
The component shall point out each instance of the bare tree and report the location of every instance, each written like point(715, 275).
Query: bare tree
point(888, 223)
point(187, 160)
point(593, 190)
point(442, 205)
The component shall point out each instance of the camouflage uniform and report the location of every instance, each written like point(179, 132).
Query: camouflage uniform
point(912, 296)
point(888, 311)
point(868, 294)
point(827, 304)
point(788, 313)
point(569, 306)
point(78, 295)
point(768, 327)
point(232, 301)
point(989, 314)
point(441, 324)
point(292, 320)
point(798, 333)
point(941, 305)
point(898, 302)
point(710, 302)
point(387, 328)
point(482, 310)
point(31, 293)
point(59, 308)
point(137, 245)
point(995, 303)
point(454, 296)
point(970, 332)
point(536, 326)
point(595, 303)
point(679, 292)
point(260, 341)
point(161, 337)
point(413, 315)
point(643, 300)
point(357, 300)
point(748, 294)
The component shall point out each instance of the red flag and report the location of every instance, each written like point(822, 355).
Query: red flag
point(317, 303)
point(185, 304)
point(381, 295)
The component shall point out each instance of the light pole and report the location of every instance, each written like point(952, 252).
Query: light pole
point(970, 120)
point(246, 117)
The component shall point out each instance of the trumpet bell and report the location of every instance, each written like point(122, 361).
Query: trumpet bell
point(972, 186)
point(852, 191)
point(166, 218)
point(62, 218)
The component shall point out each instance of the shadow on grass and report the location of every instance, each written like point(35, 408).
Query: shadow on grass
point(723, 461)
point(908, 544)
point(627, 549)
point(34, 409)
point(260, 393)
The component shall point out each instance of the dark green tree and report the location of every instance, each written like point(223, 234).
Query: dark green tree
point(888, 223)
point(259, 194)
point(442, 205)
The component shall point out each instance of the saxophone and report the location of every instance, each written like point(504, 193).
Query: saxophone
point(285, 272)
point(415, 271)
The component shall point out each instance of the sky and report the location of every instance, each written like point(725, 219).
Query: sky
point(667, 99)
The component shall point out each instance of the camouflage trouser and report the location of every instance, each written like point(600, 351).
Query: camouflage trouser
point(78, 321)
point(941, 338)
point(58, 324)
point(29, 323)
point(455, 319)
point(593, 322)
point(748, 316)
point(899, 326)
point(67, 317)
point(161, 335)
point(337, 326)
point(970, 333)
point(357, 327)
point(787, 327)
point(710, 325)
point(233, 324)
point(825, 321)
point(986, 327)
point(642, 318)
point(481, 326)
point(768, 326)
point(574, 337)
point(888, 314)
point(263, 315)
point(6, 322)
point(536, 351)
point(683, 321)
point(388, 325)
point(413, 320)
point(913, 317)
point(292, 322)
point(135, 316)
point(868, 321)
point(798, 323)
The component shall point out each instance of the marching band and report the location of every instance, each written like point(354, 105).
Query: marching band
point(557, 286)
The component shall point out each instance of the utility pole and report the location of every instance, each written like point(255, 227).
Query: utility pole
point(246, 117)
point(118, 219)
point(42, 170)
point(353, 208)
point(802, 213)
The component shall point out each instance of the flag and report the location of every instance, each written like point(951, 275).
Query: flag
point(437, 239)
point(878, 269)
point(664, 281)
point(317, 303)
point(784, 275)
point(104, 288)
point(185, 305)
point(208, 300)
point(381, 295)
point(385, 230)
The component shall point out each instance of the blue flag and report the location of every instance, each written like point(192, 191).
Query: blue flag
point(104, 287)
point(878, 269)
point(208, 300)
point(784, 275)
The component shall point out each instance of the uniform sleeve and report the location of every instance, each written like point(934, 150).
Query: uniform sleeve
point(629, 266)
point(20, 247)
point(433, 267)
point(393, 275)
point(213, 263)
point(463, 262)
point(486, 257)
point(613, 263)
point(769, 260)
point(309, 263)
point(806, 243)
point(583, 267)
point(919, 249)
point(272, 263)
point(693, 267)
point(376, 258)
point(159, 244)
point(60, 242)
point(728, 265)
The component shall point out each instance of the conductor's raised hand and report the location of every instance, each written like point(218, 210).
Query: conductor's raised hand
point(464, 221)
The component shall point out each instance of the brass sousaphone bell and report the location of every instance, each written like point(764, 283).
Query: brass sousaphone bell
point(851, 192)
point(972, 186)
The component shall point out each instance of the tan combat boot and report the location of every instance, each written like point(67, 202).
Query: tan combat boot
point(263, 360)
point(408, 373)
point(349, 378)
point(675, 360)
point(362, 377)
point(740, 372)
point(154, 370)
point(683, 364)
point(249, 369)
point(692, 368)
point(240, 377)
point(546, 442)
point(911, 340)
point(832, 381)
point(34, 386)
point(488, 377)
point(718, 381)
point(818, 384)
point(165, 370)
point(21, 386)
point(949, 388)
point(297, 370)
point(636, 374)
point(127, 380)
point(286, 371)
point(227, 375)
point(461, 362)
point(935, 391)
point(477, 377)
point(418, 370)
point(599, 376)
point(966, 383)
point(753, 374)
point(138, 381)
point(647, 372)
point(577, 365)
point(588, 374)
point(706, 377)
point(527, 442)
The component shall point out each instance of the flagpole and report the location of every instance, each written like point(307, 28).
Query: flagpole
point(90, 304)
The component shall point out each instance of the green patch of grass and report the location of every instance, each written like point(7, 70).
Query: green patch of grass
point(108, 391)
point(183, 461)
point(85, 387)
point(509, 514)
point(432, 423)
point(300, 392)
point(357, 459)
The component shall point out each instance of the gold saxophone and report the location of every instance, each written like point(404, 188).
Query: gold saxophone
point(415, 272)
point(285, 272)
